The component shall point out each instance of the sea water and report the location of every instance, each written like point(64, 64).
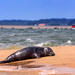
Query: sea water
point(36, 37)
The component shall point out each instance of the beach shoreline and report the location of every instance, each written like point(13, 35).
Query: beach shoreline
point(65, 57)
point(35, 27)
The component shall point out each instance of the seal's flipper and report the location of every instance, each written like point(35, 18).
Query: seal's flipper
point(2, 62)
point(5, 61)
point(36, 55)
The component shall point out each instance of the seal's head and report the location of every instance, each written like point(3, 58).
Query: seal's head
point(49, 51)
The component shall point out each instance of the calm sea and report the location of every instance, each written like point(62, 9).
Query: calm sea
point(36, 37)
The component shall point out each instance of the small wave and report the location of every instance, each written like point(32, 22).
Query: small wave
point(56, 30)
point(41, 44)
point(31, 31)
point(49, 44)
point(46, 44)
point(69, 42)
point(11, 34)
point(12, 47)
point(29, 40)
point(2, 44)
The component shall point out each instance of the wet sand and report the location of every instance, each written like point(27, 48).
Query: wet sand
point(63, 63)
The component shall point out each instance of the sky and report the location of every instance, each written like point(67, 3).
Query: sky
point(36, 9)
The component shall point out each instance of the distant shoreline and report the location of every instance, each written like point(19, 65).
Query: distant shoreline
point(35, 27)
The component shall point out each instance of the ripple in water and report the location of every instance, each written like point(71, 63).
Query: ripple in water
point(36, 37)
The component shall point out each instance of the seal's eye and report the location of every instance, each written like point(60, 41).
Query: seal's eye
point(49, 49)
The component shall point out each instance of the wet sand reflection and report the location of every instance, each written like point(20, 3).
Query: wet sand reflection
point(25, 66)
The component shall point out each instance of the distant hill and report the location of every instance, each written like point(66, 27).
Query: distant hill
point(48, 22)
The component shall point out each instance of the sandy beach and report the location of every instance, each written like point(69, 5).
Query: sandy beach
point(64, 58)
point(34, 27)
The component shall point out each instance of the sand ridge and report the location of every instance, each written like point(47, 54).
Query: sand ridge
point(34, 27)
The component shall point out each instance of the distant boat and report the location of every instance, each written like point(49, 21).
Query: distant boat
point(73, 26)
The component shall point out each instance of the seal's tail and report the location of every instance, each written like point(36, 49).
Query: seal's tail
point(4, 61)
point(1, 62)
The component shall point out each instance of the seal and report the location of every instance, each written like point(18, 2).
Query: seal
point(28, 53)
